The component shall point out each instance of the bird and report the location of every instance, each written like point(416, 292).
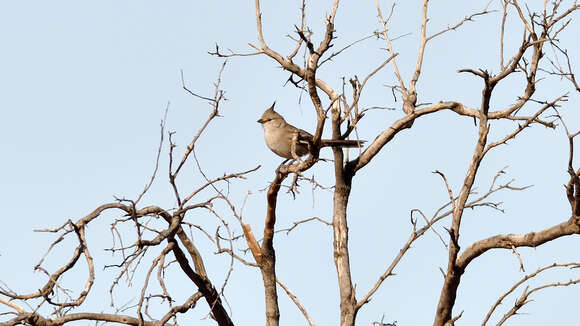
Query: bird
point(279, 136)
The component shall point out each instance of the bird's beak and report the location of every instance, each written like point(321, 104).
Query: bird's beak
point(260, 121)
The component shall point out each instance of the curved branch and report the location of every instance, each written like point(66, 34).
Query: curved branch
point(388, 134)
point(36, 319)
point(532, 239)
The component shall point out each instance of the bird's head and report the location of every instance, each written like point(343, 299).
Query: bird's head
point(270, 115)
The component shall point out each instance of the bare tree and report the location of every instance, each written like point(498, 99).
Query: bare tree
point(163, 230)
point(170, 235)
point(541, 30)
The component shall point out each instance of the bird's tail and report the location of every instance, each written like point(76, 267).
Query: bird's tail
point(342, 143)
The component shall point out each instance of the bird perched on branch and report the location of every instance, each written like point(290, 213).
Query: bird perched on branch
point(281, 137)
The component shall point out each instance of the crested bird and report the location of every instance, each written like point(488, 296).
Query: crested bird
point(280, 137)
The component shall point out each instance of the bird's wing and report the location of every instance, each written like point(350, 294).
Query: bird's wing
point(304, 136)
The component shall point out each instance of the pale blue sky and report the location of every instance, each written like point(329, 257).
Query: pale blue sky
point(85, 84)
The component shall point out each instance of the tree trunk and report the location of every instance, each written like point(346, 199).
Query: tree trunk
point(341, 255)
point(267, 261)
point(271, 295)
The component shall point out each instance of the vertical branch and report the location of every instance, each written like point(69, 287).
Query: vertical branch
point(454, 272)
point(504, 4)
point(526, 23)
point(267, 259)
point(424, 20)
point(259, 25)
point(215, 102)
point(340, 244)
point(390, 46)
point(150, 183)
point(302, 27)
point(343, 180)
point(310, 73)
